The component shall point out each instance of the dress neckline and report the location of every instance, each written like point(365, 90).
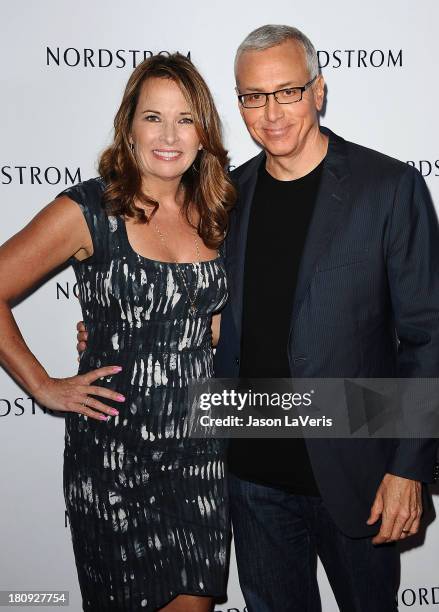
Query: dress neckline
point(158, 261)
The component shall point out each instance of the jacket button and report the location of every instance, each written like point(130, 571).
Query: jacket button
point(237, 360)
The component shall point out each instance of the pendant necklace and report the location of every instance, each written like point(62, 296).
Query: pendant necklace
point(192, 298)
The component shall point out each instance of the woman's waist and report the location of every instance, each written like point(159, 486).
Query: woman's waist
point(165, 336)
point(149, 368)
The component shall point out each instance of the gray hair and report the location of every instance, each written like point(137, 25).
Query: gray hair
point(268, 36)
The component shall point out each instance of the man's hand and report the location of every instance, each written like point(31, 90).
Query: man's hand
point(216, 324)
point(82, 337)
point(398, 502)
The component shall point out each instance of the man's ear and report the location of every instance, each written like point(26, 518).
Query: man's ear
point(319, 92)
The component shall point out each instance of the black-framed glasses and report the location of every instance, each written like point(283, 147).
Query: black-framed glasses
point(288, 95)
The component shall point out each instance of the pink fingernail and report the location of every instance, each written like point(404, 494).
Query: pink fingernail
point(114, 412)
point(120, 398)
point(103, 417)
point(117, 368)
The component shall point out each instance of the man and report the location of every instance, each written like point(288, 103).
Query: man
point(333, 305)
point(332, 255)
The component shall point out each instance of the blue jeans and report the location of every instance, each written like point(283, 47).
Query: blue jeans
point(277, 539)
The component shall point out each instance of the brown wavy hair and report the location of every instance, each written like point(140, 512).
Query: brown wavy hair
point(207, 187)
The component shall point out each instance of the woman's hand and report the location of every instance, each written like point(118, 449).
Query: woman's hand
point(74, 394)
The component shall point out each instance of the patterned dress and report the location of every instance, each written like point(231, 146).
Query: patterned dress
point(147, 504)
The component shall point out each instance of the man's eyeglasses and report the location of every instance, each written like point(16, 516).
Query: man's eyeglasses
point(282, 96)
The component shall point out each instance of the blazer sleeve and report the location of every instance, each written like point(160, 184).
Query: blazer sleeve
point(413, 276)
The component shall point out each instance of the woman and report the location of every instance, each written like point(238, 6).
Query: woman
point(147, 505)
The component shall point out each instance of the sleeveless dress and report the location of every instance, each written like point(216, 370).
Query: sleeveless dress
point(147, 505)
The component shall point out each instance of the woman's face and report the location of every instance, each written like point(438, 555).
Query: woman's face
point(163, 132)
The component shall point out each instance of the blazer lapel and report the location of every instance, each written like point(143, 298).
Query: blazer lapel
point(237, 239)
point(331, 198)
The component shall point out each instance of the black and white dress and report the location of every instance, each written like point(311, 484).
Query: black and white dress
point(147, 504)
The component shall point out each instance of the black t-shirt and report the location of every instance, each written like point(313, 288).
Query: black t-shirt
point(279, 220)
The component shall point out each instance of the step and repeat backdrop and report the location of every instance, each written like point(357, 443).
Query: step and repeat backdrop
point(63, 69)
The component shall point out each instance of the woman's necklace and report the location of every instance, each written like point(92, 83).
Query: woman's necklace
point(192, 299)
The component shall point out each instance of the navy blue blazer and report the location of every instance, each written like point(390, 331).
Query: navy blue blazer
point(366, 305)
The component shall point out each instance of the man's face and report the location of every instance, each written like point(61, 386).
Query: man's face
point(281, 129)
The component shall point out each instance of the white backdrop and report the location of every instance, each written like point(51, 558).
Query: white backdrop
point(63, 67)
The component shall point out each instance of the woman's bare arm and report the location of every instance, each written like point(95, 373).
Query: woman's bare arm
point(55, 234)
